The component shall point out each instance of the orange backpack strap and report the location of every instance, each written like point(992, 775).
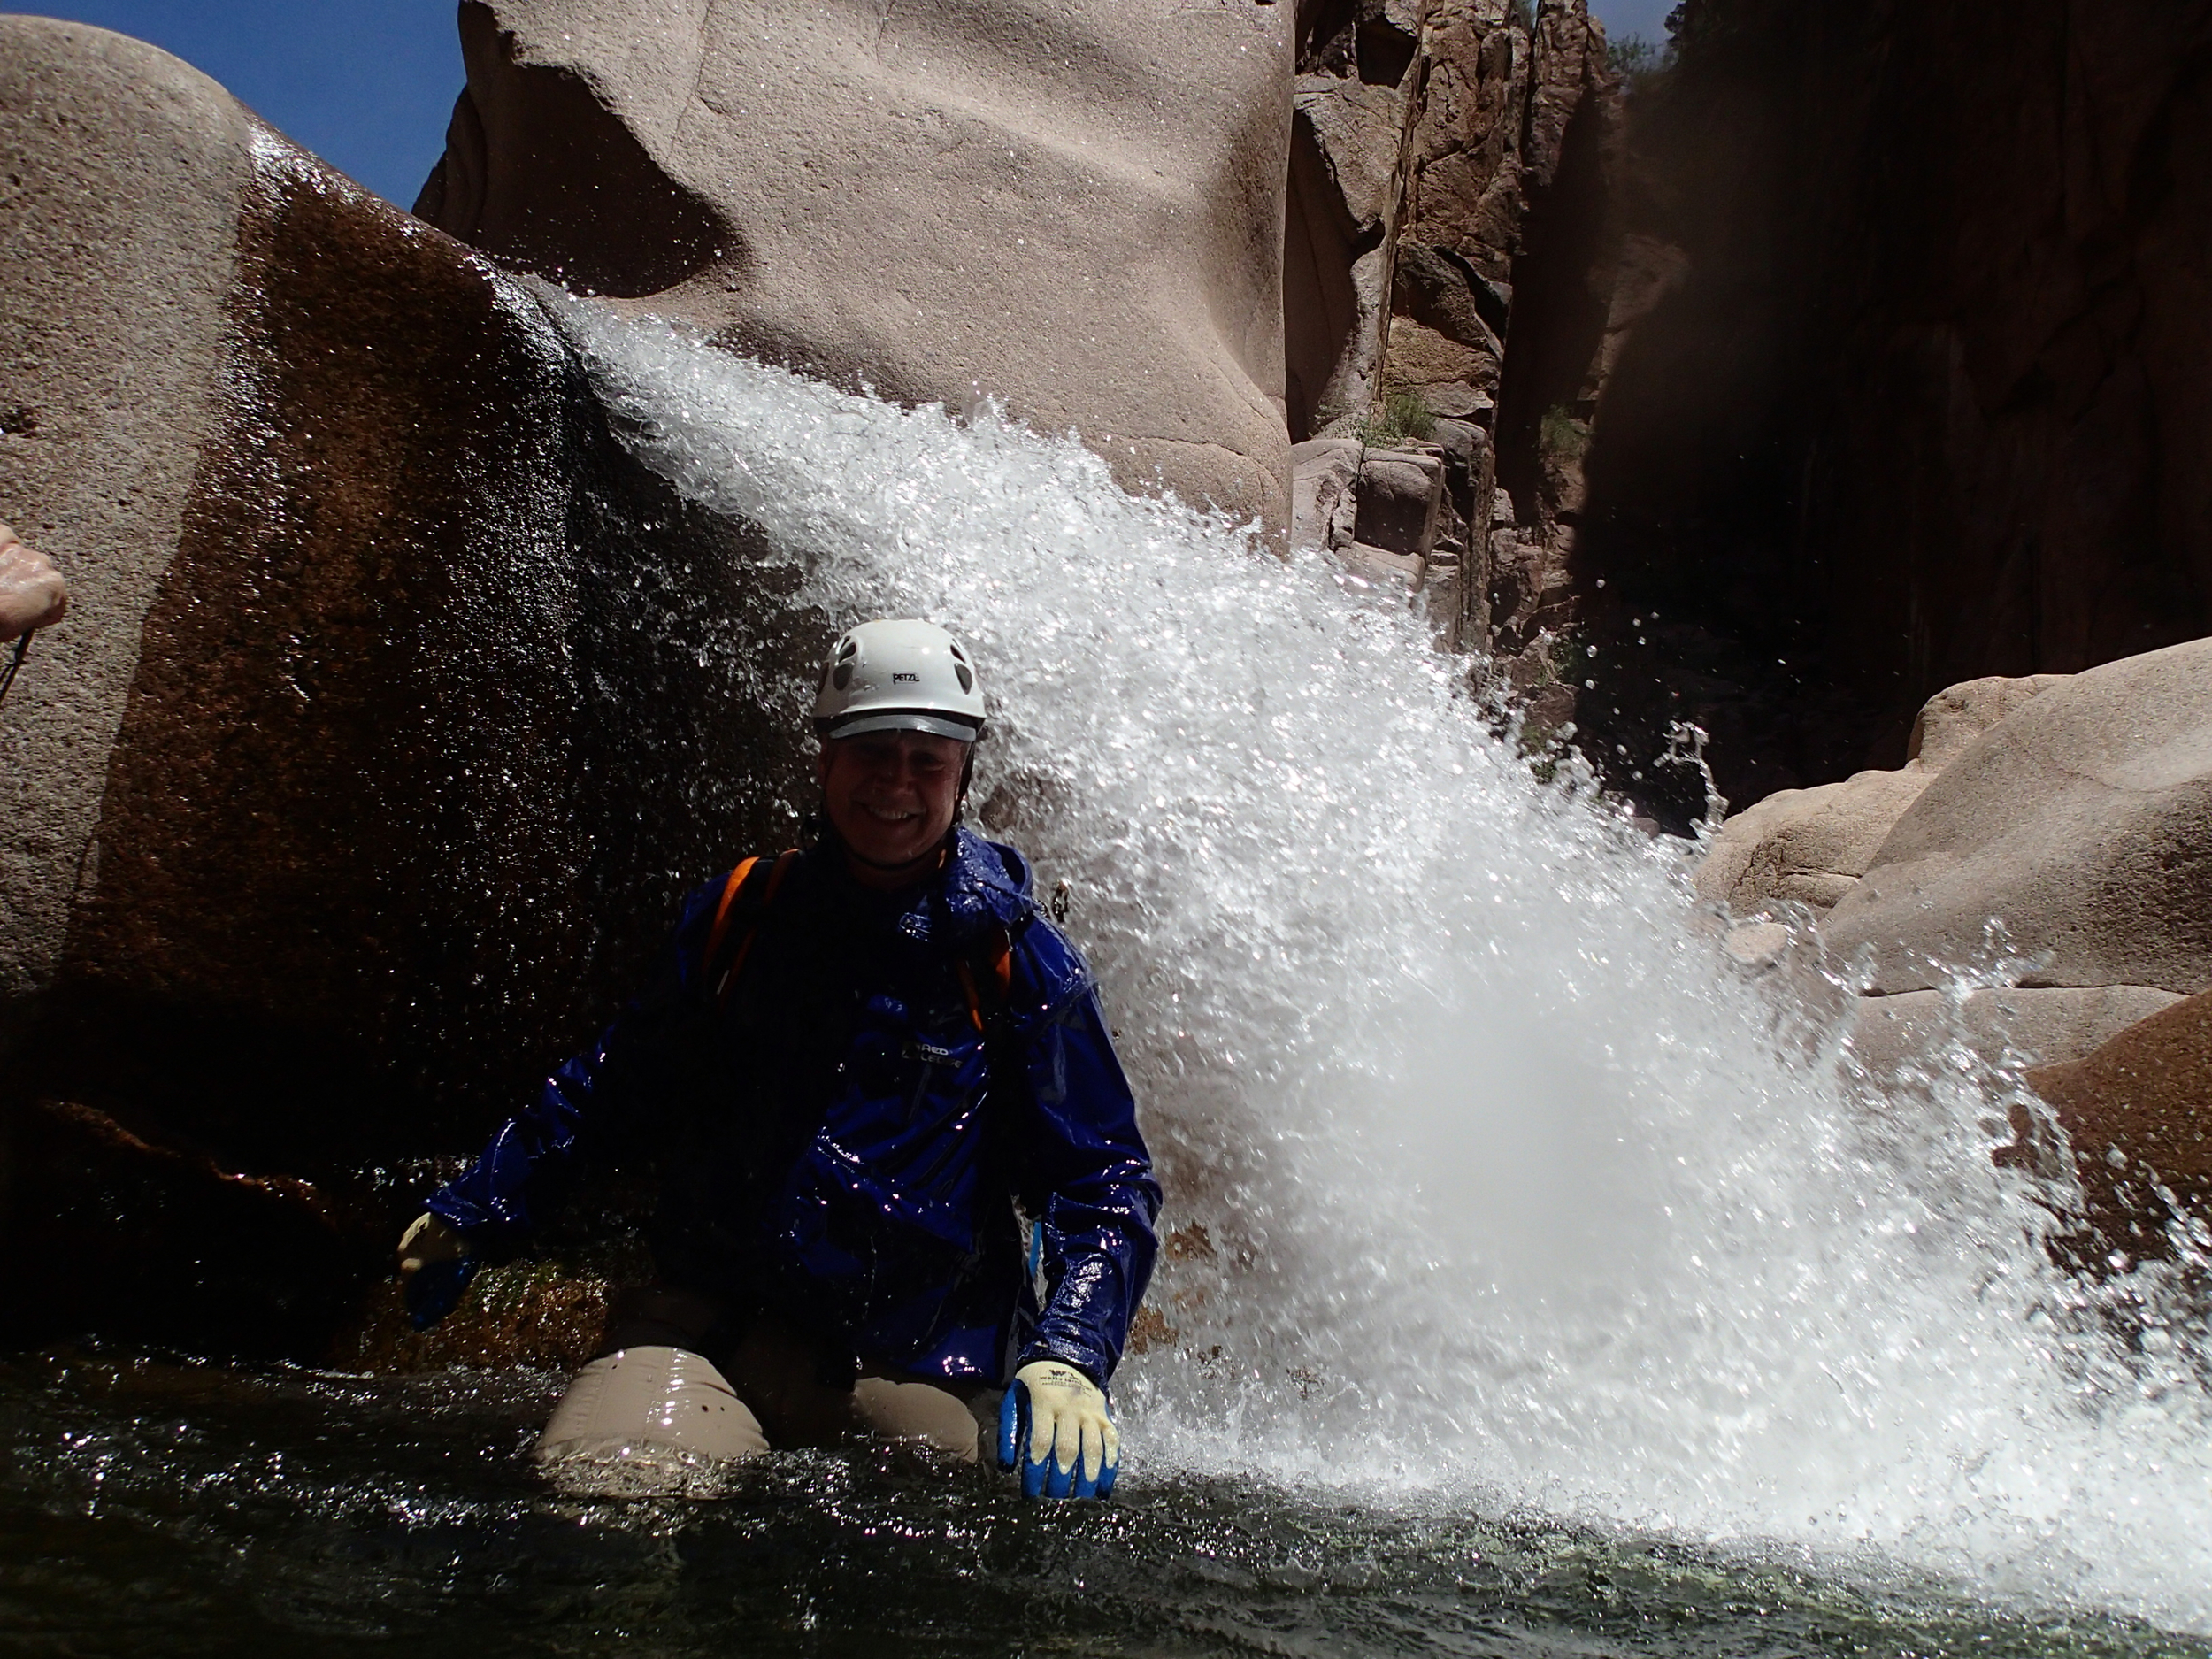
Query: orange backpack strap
point(995, 952)
point(722, 911)
point(725, 914)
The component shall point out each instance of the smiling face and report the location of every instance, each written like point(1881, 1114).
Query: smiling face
point(891, 796)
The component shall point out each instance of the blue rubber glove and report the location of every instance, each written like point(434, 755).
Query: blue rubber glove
point(437, 1290)
point(1056, 1422)
point(435, 1265)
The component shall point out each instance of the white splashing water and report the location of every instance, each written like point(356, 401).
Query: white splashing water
point(1491, 1185)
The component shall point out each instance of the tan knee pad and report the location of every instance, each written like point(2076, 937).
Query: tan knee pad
point(920, 1411)
point(650, 1406)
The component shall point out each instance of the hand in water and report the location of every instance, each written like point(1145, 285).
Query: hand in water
point(32, 594)
point(1072, 1450)
point(434, 1268)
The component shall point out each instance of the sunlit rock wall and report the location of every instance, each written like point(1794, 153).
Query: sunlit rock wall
point(1075, 208)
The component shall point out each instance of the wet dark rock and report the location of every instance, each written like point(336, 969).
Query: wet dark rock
point(2137, 1112)
point(395, 706)
point(129, 1227)
point(539, 1314)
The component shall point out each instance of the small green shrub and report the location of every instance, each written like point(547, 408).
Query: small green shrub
point(1561, 434)
point(1633, 57)
point(1697, 24)
point(1522, 15)
point(1411, 413)
point(1405, 414)
point(1564, 655)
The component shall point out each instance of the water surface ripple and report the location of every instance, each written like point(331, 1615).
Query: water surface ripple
point(154, 1506)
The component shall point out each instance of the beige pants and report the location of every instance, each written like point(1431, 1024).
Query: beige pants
point(656, 1390)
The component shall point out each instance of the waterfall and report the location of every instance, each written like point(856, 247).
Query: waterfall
point(1492, 1183)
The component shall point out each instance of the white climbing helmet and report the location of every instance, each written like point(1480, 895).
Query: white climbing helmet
point(901, 676)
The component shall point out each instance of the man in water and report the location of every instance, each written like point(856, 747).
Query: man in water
point(855, 1063)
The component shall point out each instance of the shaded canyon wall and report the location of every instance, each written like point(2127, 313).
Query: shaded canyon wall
point(1919, 389)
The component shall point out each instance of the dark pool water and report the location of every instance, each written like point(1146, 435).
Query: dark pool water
point(157, 1506)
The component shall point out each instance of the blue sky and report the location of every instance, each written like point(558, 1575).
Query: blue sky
point(368, 84)
point(1623, 18)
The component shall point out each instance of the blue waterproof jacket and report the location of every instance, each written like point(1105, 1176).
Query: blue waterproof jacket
point(842, 1146)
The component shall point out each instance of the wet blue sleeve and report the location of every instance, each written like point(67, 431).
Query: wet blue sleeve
point(597, 1104)
point(1087, 1174)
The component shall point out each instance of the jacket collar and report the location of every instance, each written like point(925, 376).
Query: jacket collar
point(981, 881)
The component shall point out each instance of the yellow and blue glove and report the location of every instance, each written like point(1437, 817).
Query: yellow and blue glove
point(1055, 1421)
point(435, 1265)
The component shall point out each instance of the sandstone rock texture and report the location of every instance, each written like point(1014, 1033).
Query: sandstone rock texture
point(1075, 207)
point(1400, 494)
point(1914, 389)
point(393, 705)
point(2043, 1027)
point(33, 594)
point(2082, 822)
point(110, 338)
point(1325, 477)
point(1811, 846)
point(2062, 820)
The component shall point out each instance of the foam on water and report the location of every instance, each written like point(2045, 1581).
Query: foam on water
point(1492, 1184)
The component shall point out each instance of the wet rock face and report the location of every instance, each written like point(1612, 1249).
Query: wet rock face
point(393, 707)
point(1074, 208)
point(519, 1313)
point(2052, 1025)
point(1918, 389)
point(2138, 1114)
point(123, 1231)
